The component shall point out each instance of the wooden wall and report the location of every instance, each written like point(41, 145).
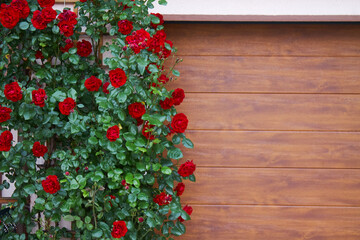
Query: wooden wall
point(274, 113)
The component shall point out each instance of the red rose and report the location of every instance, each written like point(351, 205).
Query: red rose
point(186, 169)
point(83, 1)
point(178, 96)
point(68, 16)
point(136, 110)
point(163, 79)
point(156, 43)
point(140, 219)
point(180, 188)
point(139, 121)
point(113, 133)
point(105, 86)
point(39, 55)
point(166, 52)
point(125, 26)
point(48, 14)
point(9, 16)
point(22, 7)
point(5, 114)
point(119, 229)
point(39, 150)
point(162, 199)
point(167, 103)
point(5, 141)
point(93, 84)
point(146, 132)
point(39, 97)
point(117, 77)
point(84, 48)
point(67, 106)
point(66, 28)
point(46, 3)
point(188, 210)
point(51, 184)
point(161, 18)
point(38, 20)
point(69, 44)
point(13, 92)
point(179, 123)
point(138, 40)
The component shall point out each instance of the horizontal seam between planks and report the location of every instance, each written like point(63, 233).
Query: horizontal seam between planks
point(277, 93)
point(284, 168)
point(294, 131)
point(261, 55)
point(274, 130)
point(275, 205)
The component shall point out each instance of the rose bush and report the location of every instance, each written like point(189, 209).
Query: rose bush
point(98, 138)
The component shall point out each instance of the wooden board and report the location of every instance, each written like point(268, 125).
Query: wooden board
point(269, 74)
point(265, 39)
point(274, 149)
point(273, 223)
point(314, 187)
point(272, 111)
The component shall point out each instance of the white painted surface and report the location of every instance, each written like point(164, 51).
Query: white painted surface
point(260, 7)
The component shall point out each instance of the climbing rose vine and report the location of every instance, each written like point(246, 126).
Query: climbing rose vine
point(98, 138)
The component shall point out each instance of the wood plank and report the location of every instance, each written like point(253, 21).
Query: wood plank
point(310, 187)
point(274, 149)
point(272, 111)
point(244, 39)
point(273, 223)
point(269, 74)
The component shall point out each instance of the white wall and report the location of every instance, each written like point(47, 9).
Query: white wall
point(261, 7)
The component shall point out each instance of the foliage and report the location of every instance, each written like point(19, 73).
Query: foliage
point(99, 167)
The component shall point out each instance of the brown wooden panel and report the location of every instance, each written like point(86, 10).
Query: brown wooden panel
point(273, 223)
point(269, 74)
point(266, 39)
point(274, 149)
point(272, 111)
point(316, 187)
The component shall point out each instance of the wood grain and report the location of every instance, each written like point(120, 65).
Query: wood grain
point(269, 74)
point(272, 111)
point(274, 149)
point(273, 223)
point(241, 39)
point(310, 187)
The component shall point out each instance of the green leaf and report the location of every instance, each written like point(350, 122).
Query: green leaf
point(163, 2)
point(97, 233)
point(87, 219)
point(187, 143)
point(176, 73)
point(166, 170)
point(176, 139)
point(175, 153)
point(59, 96)
point(55, 29)
point(24, 25)
point(74, 184)
point(74, 59)
point(192, 178)
point(93, 140)
point(29, 189)
point(72, 93)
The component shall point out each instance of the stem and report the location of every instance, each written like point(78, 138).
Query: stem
point(93, 208)
point(145, 234)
